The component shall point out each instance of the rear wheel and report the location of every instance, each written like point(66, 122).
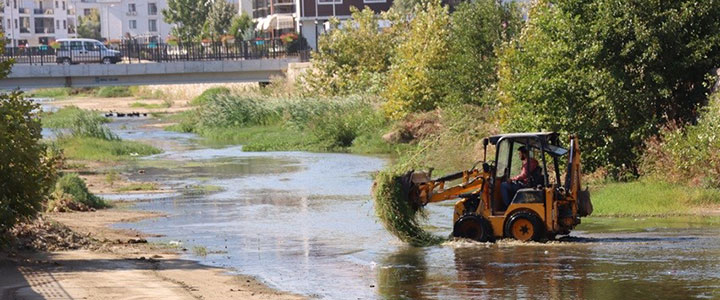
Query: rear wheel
point(473, 227)
point(106, 60)
point(66, 61)
point(524, 226)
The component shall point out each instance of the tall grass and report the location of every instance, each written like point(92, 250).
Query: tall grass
point(57, 93)
point(114, 92)
point(66, 116)
point(397, 214)
point(308, 124)
point(88, 148)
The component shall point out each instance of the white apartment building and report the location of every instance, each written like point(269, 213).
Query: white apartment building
point(37, 22)
point(121, 19)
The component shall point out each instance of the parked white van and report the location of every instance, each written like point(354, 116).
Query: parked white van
point(73, 51)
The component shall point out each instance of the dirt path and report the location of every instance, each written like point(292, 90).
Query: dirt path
point(119, 268)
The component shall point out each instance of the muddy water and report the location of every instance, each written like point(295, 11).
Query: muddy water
point(303, 222)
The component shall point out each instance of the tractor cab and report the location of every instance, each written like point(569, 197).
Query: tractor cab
point(543, 147)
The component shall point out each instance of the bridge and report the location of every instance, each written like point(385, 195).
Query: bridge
point(25, 76)
point(89, 63)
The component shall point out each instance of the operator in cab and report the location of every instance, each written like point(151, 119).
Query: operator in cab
point(512, 185)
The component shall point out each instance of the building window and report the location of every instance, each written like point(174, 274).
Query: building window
point(152, 25)
point(131, 7)
point(16, 23)
point(63, 5)
point(132, 24)
point(329, 1)
point(64, 24)
point(87, 11)
point(374, 1)
point(57, 24)
point(57, 4)
point(152, 9)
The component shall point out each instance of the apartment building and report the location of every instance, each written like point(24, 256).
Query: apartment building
point(37, 22)
point(123, 19)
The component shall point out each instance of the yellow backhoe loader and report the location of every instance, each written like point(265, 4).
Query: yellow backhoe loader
point(544, 207)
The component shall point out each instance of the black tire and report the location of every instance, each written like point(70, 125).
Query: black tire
point(107, 61)
point(66, 61)
point(473, 227)
point(525, 226)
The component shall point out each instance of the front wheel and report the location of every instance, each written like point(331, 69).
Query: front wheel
point(66, 61)
point(106, 61)
point(473, 227)
point(524, 226)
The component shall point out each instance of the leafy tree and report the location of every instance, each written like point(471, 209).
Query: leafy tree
point(26, 174)
point(352, 58)
point(418, 74)
point(613, 71)
point(89, 26)
point(188, 16)
point(240, 25)
point(477, 29)
point(219, 19)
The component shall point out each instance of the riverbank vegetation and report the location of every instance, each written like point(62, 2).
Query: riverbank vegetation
point(82, 135)
point(435, 81)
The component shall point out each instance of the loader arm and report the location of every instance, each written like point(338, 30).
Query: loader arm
point(431, 191)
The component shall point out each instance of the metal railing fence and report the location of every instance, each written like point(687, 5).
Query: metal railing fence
point(133, 52)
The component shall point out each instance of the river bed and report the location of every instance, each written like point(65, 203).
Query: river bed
point(304, 222)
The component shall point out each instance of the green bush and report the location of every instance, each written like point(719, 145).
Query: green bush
point(351, 59)
point(688, 155)
point(114, 91)
point(73, 186)
point(26, 171)
point(210, 95)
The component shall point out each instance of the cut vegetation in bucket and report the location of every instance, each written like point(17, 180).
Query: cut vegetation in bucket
point(397, 214)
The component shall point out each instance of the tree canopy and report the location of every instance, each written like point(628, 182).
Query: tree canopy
point(188, 18)
point(613, 71)
point(89, 26)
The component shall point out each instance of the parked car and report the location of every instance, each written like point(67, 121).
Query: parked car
point(73, 51)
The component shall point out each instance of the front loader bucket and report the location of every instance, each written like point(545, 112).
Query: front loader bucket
point(410, 185)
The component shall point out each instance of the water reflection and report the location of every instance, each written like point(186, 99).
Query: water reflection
point(662, 267)
point(403, 274)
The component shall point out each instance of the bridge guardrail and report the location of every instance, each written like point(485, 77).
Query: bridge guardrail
point(132, 52)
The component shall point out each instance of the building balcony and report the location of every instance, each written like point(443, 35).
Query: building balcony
point(131, 13)
point(24, 11)
point(43, 11)
point(24, 30)
point(44, 30)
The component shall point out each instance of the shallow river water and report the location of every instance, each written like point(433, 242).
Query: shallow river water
point(304, 223)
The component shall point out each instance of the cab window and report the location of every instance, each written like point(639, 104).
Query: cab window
point(90, 46)
point(76, 45)
point(503, 150)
